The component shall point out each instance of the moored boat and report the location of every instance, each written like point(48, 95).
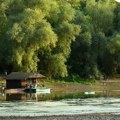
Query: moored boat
point(38, 90)
point(43, 90)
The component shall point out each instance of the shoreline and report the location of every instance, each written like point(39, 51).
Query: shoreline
point(65, 117)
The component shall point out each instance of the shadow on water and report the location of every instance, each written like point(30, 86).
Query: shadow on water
point(25, 96)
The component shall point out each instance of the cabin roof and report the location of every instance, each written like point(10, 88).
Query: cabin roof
point(23, 75)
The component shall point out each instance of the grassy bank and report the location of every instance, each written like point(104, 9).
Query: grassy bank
point(75, 84)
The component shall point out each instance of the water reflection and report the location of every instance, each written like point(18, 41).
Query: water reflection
point(26, 96)
point(56, 96)
point(23, 97)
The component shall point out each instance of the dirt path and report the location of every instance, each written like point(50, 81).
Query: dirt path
point(75, 117)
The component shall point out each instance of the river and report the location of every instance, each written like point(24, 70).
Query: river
point(32, 104)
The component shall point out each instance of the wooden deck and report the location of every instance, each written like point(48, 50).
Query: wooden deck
point(15, 91)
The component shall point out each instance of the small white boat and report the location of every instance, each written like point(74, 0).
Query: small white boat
point(89, 93)
point(43, 90)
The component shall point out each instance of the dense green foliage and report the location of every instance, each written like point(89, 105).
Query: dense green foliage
point(96, 49)
point(60, 37)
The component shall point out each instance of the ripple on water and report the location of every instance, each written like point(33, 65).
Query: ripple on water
point(64, 107)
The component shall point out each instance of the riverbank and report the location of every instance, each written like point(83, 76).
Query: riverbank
point(74, 87)
point(68, 117)
point(60, 87)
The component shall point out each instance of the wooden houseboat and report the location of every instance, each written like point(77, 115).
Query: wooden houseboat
point(22, 81)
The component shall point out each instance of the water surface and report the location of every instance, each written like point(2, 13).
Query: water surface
point(31, 104)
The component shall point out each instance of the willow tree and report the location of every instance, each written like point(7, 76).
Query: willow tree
point(4, 43)
point(61, 18)
point(38, 27)
point(27, 32)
